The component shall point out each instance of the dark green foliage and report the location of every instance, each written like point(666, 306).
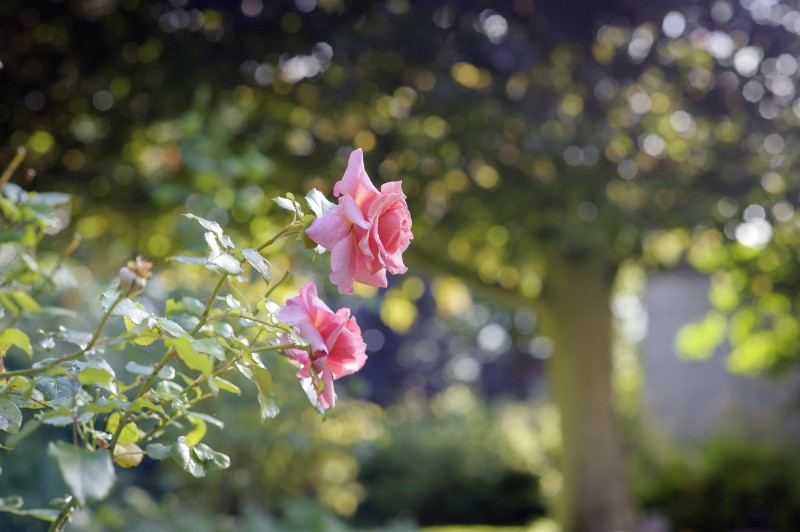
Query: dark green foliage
point(734, 486)
point(437, 471)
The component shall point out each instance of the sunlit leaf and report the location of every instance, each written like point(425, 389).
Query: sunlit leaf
point(258, 262)
point(128, 455)
point(192, 359)
point(182, 454)
point(130, 433)
point(15, 337)
point(196, 435)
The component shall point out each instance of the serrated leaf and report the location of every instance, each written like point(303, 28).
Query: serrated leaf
point(210, 458)
point(97, 372)
point(215, 228)
point(10, 417)
point(157, 451)
point(15, 337)
point(131, 310)
point(318, 203)
point(182, 454)
point(128, 455)
point(88, 474)
point(142, 404)
point(258, 262)
point(219, 259)
point(56, 389)
point(190, 357)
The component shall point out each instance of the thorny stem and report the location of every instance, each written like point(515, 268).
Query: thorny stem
point(64, 515)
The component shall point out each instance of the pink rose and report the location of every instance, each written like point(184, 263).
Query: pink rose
point(367, 232)
point(334, 338)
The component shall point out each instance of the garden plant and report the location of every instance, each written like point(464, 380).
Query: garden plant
point(114, 417)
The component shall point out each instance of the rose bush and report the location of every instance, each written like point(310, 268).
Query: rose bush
point(181, 356)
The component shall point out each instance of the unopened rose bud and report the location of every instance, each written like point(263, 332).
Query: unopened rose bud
point(133, 277)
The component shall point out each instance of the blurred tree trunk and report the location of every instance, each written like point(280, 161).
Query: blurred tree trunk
point(577, 316)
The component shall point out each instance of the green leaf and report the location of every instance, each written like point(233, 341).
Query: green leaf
point(190, 357)
point(288, 204)
point(182, 454)
point(13, 501)
point(16, 338)
point(25, 301)
point(209, 346)
point(259, 263)
point(45, 514)
point(10, 417)
point(128, 455)
point(197, 434)
point(97, 372)
point(63, 416)
point(266, 391)
point(219, 259)
point(226, 385)
point(167, 372)
point(57, 390)
point(130, 434)
point(171, 328)
point(214, 228)
point(157, 451)
point(88, 474)
point(318, 203)
point(132, 310)
point(211, 458)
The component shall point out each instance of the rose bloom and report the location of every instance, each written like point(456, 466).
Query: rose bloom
point(334, 338)
point(367, 232)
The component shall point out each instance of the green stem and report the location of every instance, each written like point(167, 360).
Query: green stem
point(277, 284)
point(43, 369)
point(64, 515)
point(123, 420)
point(12, 166)
point(275, 238)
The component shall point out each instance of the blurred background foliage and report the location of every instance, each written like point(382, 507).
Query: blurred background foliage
point(636, 136)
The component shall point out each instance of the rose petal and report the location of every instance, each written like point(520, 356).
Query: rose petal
point(330, 229)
